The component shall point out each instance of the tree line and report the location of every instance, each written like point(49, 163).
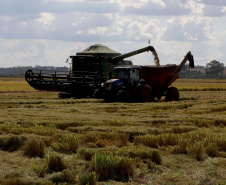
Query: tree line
point(19, 71)
point(212, 70)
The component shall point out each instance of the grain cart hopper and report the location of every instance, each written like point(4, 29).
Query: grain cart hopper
point(90, 69)
point(144, 83)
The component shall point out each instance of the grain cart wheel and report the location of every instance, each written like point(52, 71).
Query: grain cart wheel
point(172, 94)
point(146, 93)
point(124, 96)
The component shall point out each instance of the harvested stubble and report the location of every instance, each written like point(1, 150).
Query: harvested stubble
point(189, 135)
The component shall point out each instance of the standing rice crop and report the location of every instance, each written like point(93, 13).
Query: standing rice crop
point(107, 166)
point(35, 148)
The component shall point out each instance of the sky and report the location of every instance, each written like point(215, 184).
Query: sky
point(47, 32)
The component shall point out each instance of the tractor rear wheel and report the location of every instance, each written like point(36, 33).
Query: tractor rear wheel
point(124, 96)
point(172, 94)
point(146, 93)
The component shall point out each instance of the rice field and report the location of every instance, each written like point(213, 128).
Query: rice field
point(19, 84)
point(200, 85)
point(47, 140)
point(14, 84)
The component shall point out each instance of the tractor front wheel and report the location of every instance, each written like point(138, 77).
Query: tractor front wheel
point(172, 94)
point(64, 95)
point(124, 96)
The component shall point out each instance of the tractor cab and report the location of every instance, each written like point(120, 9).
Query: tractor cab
point(124, 76)
point(130, 75)
point(125, 82)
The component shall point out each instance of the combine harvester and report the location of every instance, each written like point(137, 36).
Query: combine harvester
point(145, 83)
point(90, 70)
point(93, 67)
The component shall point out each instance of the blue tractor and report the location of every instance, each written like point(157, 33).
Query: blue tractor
point(127, 86)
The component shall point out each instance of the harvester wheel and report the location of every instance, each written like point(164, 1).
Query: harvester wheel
point(107, 98)
point(172, 94)
point(98, 94)
point(146, 93)
point(64, 95)
point(124, 96)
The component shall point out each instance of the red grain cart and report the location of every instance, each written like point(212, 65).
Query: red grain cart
point(160, 78)
point(145, 83)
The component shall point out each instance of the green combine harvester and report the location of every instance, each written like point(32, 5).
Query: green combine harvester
point(91, 68)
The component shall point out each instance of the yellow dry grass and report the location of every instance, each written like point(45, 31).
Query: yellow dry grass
point(19, 84)
point(200, 84)
point(14, 84)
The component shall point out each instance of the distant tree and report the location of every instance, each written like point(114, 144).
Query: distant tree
point(190, 74)
point(214, 68)
point(19, 71)
point(185, 67)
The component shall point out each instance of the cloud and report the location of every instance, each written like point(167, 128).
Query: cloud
point(214, 3)
point(212, 8)
point(36, 52)
point(188, 29)
point(30, 7)
point(214, 11)
point(46, 32)
point(159, 8)
point(53, 26)
point(70, 20)
point(80, 27)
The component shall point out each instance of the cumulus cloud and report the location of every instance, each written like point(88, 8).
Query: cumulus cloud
point(31, 7)
point(83, 21)
point(212, 8)
point(214, 3)
point(188, 29)
point(39, 32)
point(159, 8)
point(214, 11)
